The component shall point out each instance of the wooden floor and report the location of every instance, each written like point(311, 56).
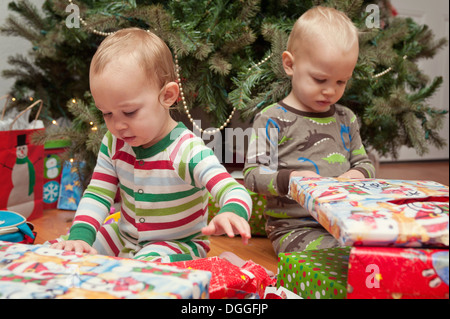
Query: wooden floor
point(431, 171)
point(56, 222)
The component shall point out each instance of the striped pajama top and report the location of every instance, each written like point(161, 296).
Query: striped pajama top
point(164, 189)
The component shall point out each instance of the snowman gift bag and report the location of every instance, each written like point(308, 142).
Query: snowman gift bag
point(21, 164)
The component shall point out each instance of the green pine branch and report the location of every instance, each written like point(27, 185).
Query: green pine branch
point(29, 23)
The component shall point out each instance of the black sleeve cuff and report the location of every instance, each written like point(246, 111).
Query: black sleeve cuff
point(283, 179)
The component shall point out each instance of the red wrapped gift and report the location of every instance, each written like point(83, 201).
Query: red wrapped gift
point(230, 281)
point(394, 273)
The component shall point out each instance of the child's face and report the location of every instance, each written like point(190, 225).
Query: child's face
point(319, 75)
point(131, 106)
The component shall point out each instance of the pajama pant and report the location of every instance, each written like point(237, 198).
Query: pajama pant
point(110, 242)
point(298, 234)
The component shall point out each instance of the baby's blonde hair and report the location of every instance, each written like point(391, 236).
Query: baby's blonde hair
point(150, 52)
point(328, 23)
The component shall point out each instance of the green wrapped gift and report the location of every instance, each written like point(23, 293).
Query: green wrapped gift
point(257, 220)
point(315, 274)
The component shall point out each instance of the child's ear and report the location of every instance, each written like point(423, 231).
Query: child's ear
point(170, 94)
point(288, 62)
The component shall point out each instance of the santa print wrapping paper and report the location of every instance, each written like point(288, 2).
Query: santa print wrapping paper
point(38, 272)
point(377, 212)
point(394, 273)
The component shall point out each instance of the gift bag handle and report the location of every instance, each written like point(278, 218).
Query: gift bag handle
point(28, 108)
point(6, 97)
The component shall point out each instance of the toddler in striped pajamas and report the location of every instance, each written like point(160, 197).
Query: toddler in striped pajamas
point(163, 171)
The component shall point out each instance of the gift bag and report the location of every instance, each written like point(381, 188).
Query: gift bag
point(53, 166)
point(70, 192)
point(21, 167)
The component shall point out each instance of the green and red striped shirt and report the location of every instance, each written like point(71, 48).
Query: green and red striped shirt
point(164, 189)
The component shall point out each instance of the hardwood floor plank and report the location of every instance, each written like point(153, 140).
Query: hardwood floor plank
point(432, 171)
point(259, 250)
point(52, 224)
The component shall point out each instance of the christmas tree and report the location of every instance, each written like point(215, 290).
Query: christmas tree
point(229, 58)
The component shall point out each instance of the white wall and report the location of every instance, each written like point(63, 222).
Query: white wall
point(433, 13)
point(10, 45)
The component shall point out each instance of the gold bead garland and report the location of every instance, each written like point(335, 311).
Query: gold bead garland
point(101, 33)
point(389, 69)
point(186, 110)
point(186, 107)
point(261, 62)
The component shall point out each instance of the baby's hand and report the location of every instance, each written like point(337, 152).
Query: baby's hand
point(78, 246)
point(352, 174)
point(304, 174)
point(230, 224)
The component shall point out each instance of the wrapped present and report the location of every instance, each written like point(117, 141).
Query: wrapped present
point(315, 274)
point(40, 272)
point(257, 220)
point(377, 212)
point(229, 280)
point(280, 293)
point(366, 273)
point(394, 273)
